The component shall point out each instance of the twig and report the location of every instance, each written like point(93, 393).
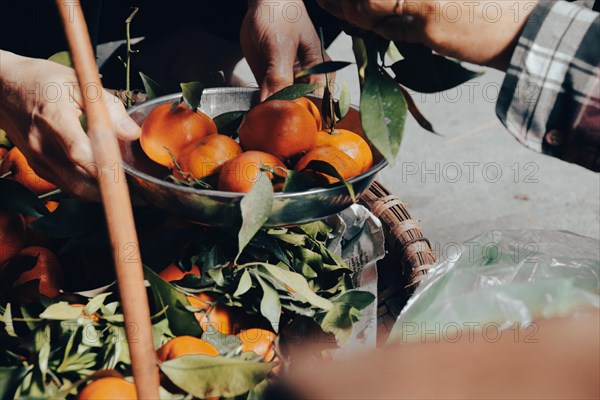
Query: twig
point(130, 51)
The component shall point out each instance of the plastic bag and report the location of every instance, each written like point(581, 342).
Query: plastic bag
point(503, 279)
point(359, 240)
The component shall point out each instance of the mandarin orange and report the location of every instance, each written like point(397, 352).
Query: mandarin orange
point(259, 341)
point(183, 346)
point(342, 162)
point(350, 143)
point(109, 388)
point(167, 130)
point(15, 166)
point(282, 128)
point(205, 158)
point(313, 109)
point(241, 173)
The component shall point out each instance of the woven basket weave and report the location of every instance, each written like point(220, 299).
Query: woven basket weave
point(409, 255)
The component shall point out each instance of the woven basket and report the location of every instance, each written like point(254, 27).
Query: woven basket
point(409, 255)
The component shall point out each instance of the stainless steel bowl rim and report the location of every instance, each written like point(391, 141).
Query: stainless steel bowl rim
point(233, 195)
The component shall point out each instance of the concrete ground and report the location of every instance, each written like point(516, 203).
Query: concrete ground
point(476, 177)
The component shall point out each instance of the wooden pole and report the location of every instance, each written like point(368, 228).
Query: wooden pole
point(117, 204)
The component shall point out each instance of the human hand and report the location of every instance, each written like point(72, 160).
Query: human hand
point(40, 109)
point(279, 40)
point(483, 32)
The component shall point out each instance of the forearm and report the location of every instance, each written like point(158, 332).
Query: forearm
point(8, 63)
point(550, 97)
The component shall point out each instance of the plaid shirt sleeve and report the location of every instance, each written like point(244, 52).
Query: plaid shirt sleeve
point(550, 98)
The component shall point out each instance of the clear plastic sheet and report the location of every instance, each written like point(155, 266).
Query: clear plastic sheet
point(503, 279)
point(359, 239)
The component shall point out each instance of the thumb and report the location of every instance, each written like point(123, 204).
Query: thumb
point(279, 69)
point(126, 128)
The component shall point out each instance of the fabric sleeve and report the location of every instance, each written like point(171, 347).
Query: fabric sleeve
point(550, 97)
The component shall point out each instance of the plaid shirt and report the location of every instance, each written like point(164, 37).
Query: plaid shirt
point(550, 98)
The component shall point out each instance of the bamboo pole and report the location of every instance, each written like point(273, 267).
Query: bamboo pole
point(117, 204)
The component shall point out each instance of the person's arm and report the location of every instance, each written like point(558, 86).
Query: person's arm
point(40, 107)
point(559, 359)
point(550, 98)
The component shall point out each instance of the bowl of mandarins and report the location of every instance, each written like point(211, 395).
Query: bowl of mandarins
point(190, 166)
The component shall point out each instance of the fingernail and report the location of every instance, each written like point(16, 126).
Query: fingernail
point(128, 126)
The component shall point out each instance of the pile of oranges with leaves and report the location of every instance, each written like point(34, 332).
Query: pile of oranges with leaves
point(223, 317)
point(283, 133)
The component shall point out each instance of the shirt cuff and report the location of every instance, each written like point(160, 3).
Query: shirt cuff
point(549, 74)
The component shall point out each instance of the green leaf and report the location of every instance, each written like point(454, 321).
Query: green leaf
point(297, 182)
point(244, 285)
point(383, 112)
point(10, 378)
point(206, 376)
point(161, 332)
point(228, 123)
point(294, 239)
point(62, 58)
point(151, 87)
point(95, 303)
point(181, 321)
point(16, 197)
point(61, 311)
point(258, 393)
point(325, 168)
point(358, 299)
point(360, 53)
point(316, 229)
point(425, 72)
point(295, 91)
point(216, 273)
point(380, 45)
point(393, 53)
point(342, 106)
point(4, 140)
point(8, 322)
point(192, 94)
point(338, 321)
point(256, 208)
point(270, 305)
point(298, 284)
point(416, 113)
point(42, 347)
point(323, 68)
point(223, 343)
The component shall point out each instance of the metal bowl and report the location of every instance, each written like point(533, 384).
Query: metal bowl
point(217, 208)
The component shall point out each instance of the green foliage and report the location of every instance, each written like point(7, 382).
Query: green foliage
point(151, 87)
point(16, 197)
point(206, 376)
point(192, 94)
point(325, 67)
point(256, 208)
point(228, 123)
point(294, 91)
point(62, 58)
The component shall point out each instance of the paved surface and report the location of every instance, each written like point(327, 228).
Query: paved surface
point(476, 177)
